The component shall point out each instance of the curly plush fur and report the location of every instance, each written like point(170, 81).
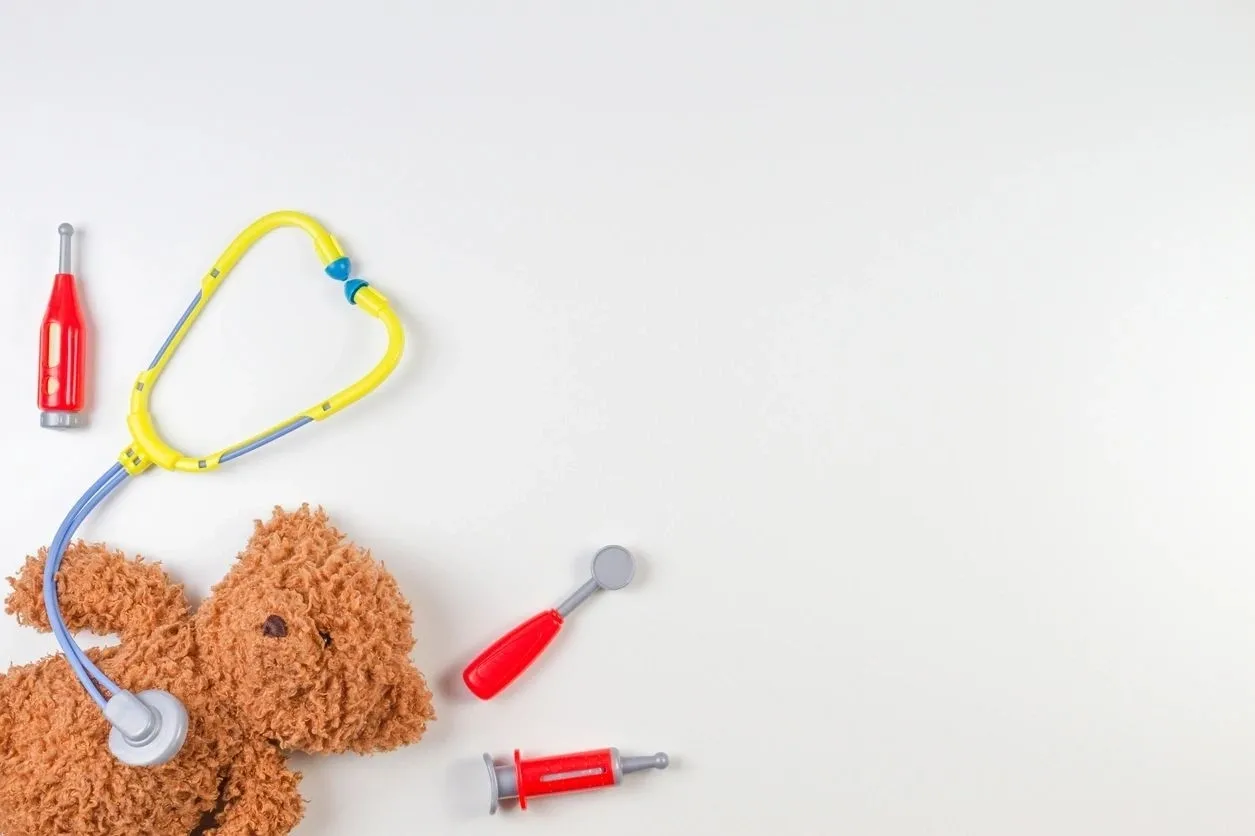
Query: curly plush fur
point(303, 646)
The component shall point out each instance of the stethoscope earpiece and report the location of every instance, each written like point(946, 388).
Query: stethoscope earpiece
point(148, 728)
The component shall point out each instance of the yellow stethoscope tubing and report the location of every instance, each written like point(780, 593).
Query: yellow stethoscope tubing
point(147, 446)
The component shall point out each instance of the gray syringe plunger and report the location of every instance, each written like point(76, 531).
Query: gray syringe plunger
point(63, 262)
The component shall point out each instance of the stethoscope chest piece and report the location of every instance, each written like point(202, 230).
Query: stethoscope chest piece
point(148, 728)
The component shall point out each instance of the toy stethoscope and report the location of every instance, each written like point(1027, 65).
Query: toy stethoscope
point(149, 728)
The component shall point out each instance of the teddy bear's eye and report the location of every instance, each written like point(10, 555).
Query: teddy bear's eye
point(326, 638)
point(275, 627)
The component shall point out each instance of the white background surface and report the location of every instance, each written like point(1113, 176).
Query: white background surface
point(910, 346)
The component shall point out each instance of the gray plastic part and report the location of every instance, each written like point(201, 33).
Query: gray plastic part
point(578, 597)
point(149, 728)
point(629, 765)
point(63, 263)
point(502, 784)
point(60, 420)
point(616, 765)
point(613, 568)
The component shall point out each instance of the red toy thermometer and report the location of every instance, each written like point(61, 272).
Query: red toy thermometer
point(63, 349)
point(526, 779)
point(507, 657)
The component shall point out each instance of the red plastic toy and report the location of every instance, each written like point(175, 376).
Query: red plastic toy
point(526, 779)
point(63, 349)
point(506, 658)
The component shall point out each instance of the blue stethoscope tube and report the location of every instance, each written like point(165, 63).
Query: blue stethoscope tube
point(87, 672)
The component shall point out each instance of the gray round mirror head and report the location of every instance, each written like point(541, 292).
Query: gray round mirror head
point(613, 567)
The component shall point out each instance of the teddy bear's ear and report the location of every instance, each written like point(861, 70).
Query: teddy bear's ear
point(290, 535)
point(401, 717)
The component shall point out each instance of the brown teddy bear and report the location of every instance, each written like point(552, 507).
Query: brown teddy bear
point(303, 646)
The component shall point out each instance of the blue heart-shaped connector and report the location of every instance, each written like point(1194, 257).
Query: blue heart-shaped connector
point(339, 269)
point(351, 287)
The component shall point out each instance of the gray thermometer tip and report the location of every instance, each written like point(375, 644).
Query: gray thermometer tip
point(63, 262)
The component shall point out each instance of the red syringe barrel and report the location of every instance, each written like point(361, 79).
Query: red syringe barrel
point(62, 390)
point(576, 772)
point(566, 773)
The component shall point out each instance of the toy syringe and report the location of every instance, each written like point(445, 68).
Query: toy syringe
point(525, 779)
